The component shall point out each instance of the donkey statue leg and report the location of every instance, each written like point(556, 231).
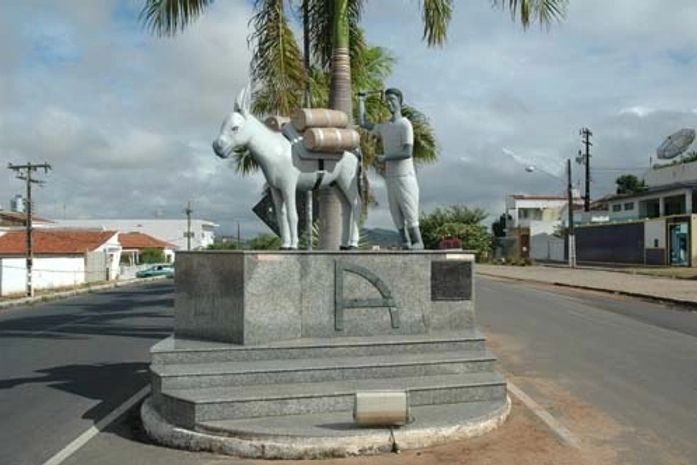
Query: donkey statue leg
point(281, 216)
point(348, 185)
point(292, 212)
point(356, 210)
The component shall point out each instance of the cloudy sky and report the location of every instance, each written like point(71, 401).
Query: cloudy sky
point(126, 119)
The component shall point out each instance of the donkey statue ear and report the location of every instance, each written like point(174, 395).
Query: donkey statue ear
point(239, 101)
point(244, 99)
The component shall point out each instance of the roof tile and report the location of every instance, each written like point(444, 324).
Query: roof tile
point(54, 241)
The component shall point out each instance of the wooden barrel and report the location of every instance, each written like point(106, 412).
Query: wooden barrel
point(331, 139)
point(276, 122)
point(318, 118)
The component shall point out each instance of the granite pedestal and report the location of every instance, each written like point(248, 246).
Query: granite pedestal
point(267, 339)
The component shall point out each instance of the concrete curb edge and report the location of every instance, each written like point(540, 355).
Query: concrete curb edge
point(73, 292)
point(685, 303)
point(296, 448)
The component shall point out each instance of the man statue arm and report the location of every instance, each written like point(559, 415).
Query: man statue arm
point(361, 112)
point(406, 152)
point(407, 147)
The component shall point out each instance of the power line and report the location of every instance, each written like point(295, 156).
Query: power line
point(24, 172)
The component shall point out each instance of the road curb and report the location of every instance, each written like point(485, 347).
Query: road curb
point(74, 292)
point(685, 303)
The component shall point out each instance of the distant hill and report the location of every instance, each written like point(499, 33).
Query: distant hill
point(385, 238)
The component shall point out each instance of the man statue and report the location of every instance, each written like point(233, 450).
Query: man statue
point(397, 138)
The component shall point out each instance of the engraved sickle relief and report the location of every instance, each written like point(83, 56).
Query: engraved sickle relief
point(340, 303)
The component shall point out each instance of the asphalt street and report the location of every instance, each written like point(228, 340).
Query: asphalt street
point(67, 364)
point(621, 373)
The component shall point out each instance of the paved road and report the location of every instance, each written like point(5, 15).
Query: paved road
point(67, 364)
point(619, 372)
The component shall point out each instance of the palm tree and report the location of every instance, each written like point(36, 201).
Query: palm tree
point(335, 40)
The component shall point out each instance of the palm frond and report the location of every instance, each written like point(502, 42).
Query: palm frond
point(244, 163)
point(436, 16)
point(426, 148)
point(320, 18)
point(543, 11)
point(168, 17)
point(277, 64)
point(319, 87)
point(371, 67)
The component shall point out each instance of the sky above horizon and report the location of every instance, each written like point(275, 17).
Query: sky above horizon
point(126, 119)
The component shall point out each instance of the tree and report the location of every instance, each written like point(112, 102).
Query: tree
point(498, 227)
point(152, 255)
point(230, 245)
point(265, 242)
point(460, 222)
point(629, 184)
point(335, 41)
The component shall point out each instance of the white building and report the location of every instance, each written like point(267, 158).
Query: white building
point(62, 258)
point(656, 226)
point(171, 231)
point(538, 213)
point(662, 175)
point(533, 221)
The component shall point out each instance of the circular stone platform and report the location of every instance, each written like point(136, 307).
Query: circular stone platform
point(316, 436)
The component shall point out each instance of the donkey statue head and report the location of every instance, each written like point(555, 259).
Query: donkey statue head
point(235, 133)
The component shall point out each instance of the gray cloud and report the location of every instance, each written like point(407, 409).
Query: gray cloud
point(127, 119)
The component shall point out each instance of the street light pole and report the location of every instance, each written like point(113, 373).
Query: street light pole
point(570, 236)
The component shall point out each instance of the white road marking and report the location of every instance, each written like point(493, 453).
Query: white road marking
point(81, 440)
point(560, 430)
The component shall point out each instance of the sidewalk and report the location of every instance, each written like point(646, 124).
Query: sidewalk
point(62, 294)
point(677, 291)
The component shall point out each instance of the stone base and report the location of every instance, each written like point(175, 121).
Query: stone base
point(261, 297)
point(321, 436)
point(270, 349)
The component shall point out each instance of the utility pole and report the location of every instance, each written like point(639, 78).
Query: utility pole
point(188, 234)
point(307, 103)
point(570, 236)
point(239, 239)
point(24, 173)
point(586, 135)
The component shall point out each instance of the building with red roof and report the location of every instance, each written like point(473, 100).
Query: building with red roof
point(62, 258)
point(135, 243)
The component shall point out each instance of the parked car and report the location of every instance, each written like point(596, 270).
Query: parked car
point(156, 270)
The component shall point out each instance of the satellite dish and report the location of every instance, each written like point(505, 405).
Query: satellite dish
point(675, 144)
point(530, 169)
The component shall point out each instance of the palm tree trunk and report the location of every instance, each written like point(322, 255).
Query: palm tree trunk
point(330, 207)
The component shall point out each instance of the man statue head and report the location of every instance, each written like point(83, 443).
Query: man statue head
point(394, 100)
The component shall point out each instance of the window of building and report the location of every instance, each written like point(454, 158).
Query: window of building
point(674, 205)
point(617, 207)
point(534, 214)
point(649, 208)
point(629, 206)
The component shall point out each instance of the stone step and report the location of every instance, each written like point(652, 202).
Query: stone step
point(293, 428)
point(186, 407)
point(181, 351)
point(203, 375)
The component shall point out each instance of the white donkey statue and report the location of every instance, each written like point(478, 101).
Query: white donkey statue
point(286, 172)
